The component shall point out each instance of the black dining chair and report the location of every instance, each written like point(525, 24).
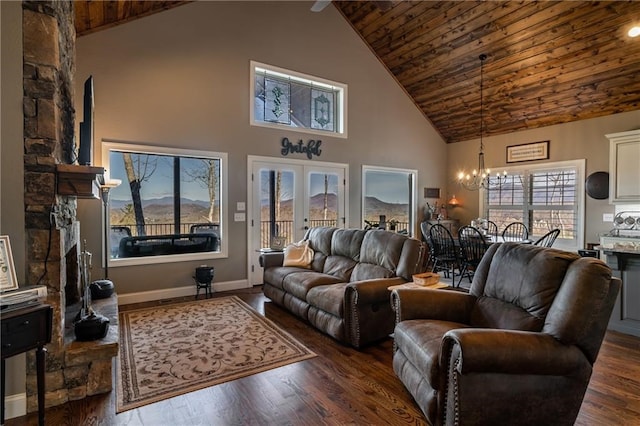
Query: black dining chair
point(492, 229)
point(424, 229)
point(473, 246)
point(445, 252)
point(547, 239)
point(515, 231)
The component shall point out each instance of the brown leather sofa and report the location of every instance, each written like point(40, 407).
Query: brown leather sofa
point(517, 350)
point(344, 293)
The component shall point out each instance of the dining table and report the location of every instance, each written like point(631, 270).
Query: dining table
point(490, 239)
point(500, 239)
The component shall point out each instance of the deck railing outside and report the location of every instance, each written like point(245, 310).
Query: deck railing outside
point(284, 229)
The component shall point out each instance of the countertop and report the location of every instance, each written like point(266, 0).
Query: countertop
point(631, 251)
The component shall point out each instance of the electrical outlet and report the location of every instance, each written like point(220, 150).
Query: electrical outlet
point(607, 217)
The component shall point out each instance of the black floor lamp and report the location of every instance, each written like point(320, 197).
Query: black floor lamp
point(104, 288)
point(105, 189)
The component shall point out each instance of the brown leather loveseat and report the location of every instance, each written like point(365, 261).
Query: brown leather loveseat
point(344, 292)
point(517, 350)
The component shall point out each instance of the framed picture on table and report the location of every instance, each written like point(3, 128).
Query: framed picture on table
point(8, 279)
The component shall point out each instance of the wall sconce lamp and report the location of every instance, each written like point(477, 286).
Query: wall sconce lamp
point(453, 201)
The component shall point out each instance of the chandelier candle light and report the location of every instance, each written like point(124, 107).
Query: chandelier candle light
point(480, 178)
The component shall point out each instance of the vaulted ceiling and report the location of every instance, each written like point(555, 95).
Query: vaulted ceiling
point(548, 62)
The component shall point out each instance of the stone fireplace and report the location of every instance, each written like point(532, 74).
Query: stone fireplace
point(53, 241)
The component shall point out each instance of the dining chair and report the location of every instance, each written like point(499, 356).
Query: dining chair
point(424, 229)
point(492, 229)
point(515, 231)
point(473, 246)
point(445, 252)
point(547, 239)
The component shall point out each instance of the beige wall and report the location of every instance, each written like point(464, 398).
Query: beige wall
point(181, 78)
point(577, 140)
point(11, 160)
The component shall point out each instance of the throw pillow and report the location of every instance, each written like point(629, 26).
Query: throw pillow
point(298, 254)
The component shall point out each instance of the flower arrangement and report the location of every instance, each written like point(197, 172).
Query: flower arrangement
point(430, 211)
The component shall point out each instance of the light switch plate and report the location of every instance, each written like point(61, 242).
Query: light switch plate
point(241, 206)
point(239, 217)
point(607, 217)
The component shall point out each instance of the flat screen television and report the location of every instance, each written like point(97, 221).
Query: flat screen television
point(86, 126)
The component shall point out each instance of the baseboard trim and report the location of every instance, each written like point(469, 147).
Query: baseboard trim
point(15, 405)
point(170, 293)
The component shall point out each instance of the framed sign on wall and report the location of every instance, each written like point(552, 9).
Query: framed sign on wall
point(528, 152)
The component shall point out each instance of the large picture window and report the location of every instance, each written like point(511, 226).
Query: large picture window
point(543, 197)
point(389, 198)
point(282, 98)
point(170, 203)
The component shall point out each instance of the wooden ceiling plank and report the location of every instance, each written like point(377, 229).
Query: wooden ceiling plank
point(96, 13)
point(426, 17)
point(111, 11)
point(569, 52)
point(547, 104)
point(469, 31)
point(520, 74)
point(357, 10)
point(544, 24)
point(101, 13)
point(82, 19)
point(440, 31)
point(404, 11)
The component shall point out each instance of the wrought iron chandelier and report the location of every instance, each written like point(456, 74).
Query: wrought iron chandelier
point(481, 178)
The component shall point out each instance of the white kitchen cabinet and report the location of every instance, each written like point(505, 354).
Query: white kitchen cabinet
point(624, 167)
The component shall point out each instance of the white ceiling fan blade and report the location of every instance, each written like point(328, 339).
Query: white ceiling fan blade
point(319, 5)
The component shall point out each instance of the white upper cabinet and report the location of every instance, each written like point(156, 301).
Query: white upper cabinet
point(624, 167)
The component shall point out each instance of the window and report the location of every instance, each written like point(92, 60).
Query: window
point(388, 198)
point(543, 197)
point(282, 98)
point(170, 205)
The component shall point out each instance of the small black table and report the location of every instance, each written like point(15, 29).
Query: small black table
point(25, 329)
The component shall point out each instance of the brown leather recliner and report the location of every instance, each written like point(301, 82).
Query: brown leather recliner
point(517, 349)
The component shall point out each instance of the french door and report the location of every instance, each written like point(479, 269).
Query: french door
point(287, 197)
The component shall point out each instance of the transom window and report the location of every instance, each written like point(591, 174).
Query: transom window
point(283, 98)
point(169, 206)
point(543, 197)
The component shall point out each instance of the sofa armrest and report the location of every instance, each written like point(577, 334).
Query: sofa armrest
point(444, 305)
point(367, 311)
point(509, 352)
point(269, 260)
point(373, 290)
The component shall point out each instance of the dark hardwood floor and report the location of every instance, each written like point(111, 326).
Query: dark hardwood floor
point(341, 386)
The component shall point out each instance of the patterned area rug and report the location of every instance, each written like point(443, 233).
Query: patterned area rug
point(171, 350)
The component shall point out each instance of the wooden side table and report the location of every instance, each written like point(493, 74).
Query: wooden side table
point(25, 329)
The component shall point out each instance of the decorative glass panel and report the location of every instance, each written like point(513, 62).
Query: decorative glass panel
point(276, 106)
point(323, 109)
